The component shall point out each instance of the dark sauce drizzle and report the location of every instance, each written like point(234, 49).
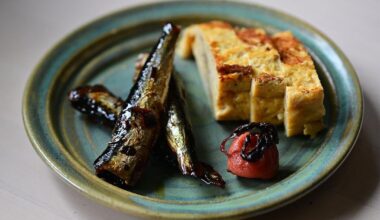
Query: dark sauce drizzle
point(266, 134)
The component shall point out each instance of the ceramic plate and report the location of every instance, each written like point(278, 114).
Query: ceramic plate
point(104, 51)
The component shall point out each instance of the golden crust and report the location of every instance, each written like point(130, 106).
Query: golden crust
point(238, 55)
point(304, 95)
point(229, 89)
point(268, 86)
point(253, 36)
point(267, 99)
point(250, 75)
point(292, 52)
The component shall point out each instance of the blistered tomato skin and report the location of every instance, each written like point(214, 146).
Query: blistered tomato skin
point(264, 168)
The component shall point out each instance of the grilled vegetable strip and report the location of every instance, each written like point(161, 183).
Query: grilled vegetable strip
point(139, 124)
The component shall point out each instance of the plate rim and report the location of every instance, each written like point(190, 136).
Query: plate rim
point(140, 211)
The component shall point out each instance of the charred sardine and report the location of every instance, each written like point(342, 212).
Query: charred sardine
point(140, 121)
point(180, 139)
point(178, 134)
point(97, 102)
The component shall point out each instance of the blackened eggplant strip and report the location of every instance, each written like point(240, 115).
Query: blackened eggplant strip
point(177, 132)
point(140, 121)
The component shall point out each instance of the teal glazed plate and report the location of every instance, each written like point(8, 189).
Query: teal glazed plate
point(104, 51)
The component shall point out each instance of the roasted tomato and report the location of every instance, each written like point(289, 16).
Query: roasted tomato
point(253, 152)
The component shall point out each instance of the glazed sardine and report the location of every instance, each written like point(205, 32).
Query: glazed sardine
point(140, 121)
point(178, 133)
point(97, 102)
point(180, 139)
